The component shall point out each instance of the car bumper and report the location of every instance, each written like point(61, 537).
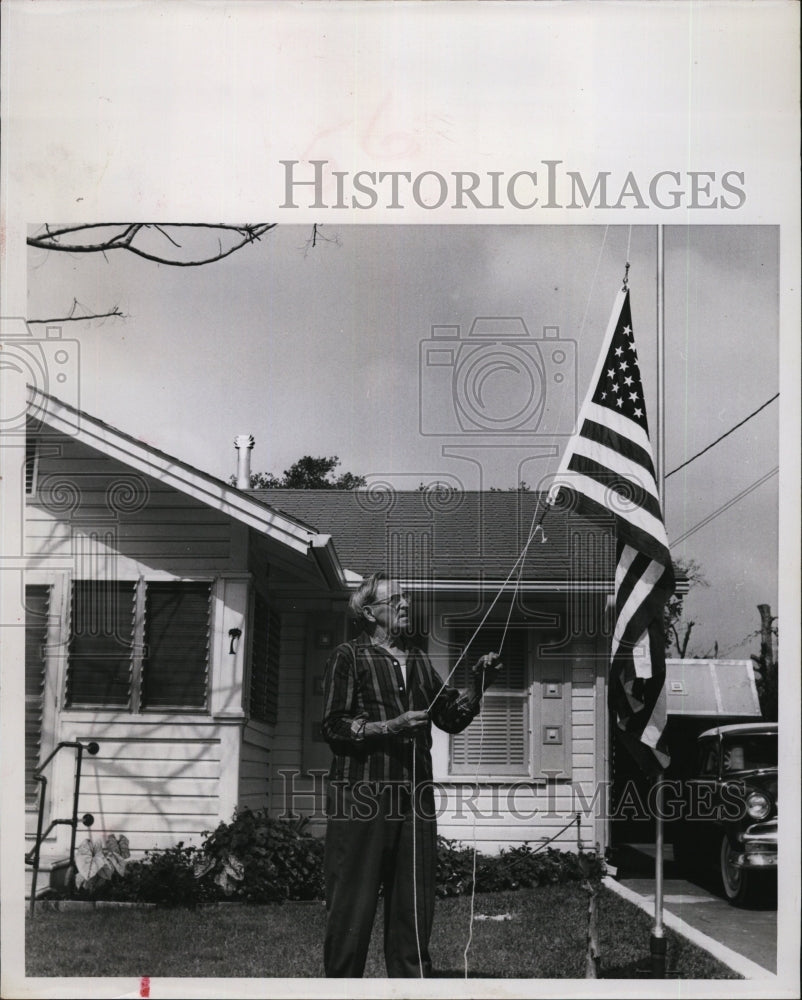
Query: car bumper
point(758, 847)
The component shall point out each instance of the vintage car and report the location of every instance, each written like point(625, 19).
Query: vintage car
point(729, 814)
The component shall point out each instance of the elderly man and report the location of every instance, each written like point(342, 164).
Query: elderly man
point(381, 695)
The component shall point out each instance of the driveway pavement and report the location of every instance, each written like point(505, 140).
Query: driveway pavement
point(751, 932)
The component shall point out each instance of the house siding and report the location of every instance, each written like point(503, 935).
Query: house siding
point(255, 766)
point(154, 789)
point(509, 810)
point(108, 518)
point(159, 777)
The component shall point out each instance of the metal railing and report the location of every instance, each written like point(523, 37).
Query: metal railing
point(32, 856)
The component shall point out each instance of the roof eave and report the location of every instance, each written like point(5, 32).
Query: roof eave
point(207, 489)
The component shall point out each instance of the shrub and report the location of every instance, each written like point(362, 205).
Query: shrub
point(262, 859)
point(177, 876)
point(521, 867)
point(259, 859)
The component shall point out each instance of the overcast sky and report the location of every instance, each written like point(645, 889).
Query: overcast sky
point(316, 350)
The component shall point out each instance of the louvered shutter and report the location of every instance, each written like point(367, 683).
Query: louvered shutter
point(497, 742)
point(37, 601)
point(101, 635)
point(175, 665)
point(264, 662)
point(31, 455)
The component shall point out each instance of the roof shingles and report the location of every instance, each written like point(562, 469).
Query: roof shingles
point(474, 535)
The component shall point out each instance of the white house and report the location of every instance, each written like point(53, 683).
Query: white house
point(152, 628)
point(184, 625)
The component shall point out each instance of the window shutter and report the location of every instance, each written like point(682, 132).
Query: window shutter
point(264, 662)
point(553, 718)
point(31, 465)
point(99, 664)
point(497, 742)
point(37, 601)
point(175, 666)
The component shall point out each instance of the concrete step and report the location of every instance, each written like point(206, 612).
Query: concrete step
point(52, 875)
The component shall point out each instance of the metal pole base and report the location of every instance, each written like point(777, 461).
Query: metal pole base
point(657, 953)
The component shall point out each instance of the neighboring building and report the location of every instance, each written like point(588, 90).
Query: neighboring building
point(142, 570)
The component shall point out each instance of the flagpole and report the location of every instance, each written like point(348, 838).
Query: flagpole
point(657, 941)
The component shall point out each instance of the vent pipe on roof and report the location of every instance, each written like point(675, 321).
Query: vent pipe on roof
point(244, 444)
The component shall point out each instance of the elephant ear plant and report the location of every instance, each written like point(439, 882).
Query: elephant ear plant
point(97, 862)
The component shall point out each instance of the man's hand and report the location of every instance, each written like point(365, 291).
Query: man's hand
point(409, 722)
point(485, 671)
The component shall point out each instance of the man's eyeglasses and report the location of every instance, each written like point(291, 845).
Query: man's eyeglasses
point(394, 600)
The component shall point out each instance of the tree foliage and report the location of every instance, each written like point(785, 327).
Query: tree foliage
point(678, 630)
point(308, 473)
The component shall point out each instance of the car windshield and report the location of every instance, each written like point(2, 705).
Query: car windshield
point(749, 753)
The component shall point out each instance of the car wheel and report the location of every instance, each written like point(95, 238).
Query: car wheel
point(736, 881)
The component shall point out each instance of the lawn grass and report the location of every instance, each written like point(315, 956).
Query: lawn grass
point(544, 939)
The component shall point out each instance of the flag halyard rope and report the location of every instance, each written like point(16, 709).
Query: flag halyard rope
point(517, 570)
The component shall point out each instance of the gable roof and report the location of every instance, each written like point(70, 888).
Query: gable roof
point(457, 538)
point(46, 410)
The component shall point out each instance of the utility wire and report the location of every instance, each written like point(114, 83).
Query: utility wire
point(735, 428)
point(726, 506)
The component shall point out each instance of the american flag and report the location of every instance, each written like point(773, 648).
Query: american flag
point(608, 465)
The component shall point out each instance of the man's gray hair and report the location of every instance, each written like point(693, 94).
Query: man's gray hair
point(365, 593)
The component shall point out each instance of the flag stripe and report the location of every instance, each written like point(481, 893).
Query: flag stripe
point(630, 514)
point(629, 571)
point(642, 604)
point(637, 605)
point(637, 537)
point(618, 443)
point(631, 491)
point(620, 424)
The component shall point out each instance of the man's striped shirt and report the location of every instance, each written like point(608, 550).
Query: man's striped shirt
point(362, 685)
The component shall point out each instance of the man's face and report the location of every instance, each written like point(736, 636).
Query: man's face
point(390, 607)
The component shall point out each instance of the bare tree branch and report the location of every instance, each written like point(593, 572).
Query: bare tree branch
point(73, 316)
point(124, 235)
point(114, 312)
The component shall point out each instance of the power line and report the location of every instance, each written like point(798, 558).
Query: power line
point(726, 506)
point(735, 428)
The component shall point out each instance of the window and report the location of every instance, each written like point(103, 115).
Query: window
point(524, 729)
point(176, 644)
point(37, 601)
point(263, 691)
point(708, 758)
point(101, 636)
point(141, 646)
point(498, 741)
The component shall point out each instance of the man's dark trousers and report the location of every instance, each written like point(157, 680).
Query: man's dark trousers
point(369, 845)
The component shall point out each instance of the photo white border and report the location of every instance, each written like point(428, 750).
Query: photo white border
point(124, 111)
